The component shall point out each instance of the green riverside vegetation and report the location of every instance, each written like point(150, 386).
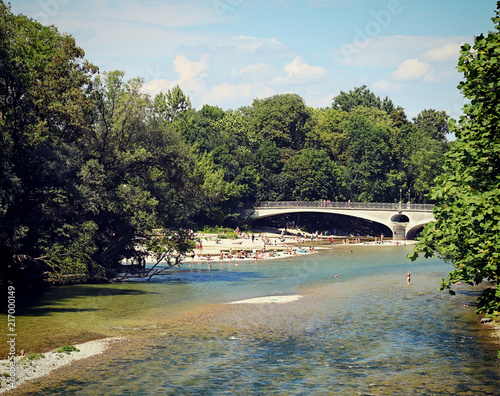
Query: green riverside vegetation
point(467, 195)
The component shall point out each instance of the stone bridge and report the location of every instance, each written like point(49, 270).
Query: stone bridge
point(400, 218)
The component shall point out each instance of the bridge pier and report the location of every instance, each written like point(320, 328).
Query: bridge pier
point(399, 231)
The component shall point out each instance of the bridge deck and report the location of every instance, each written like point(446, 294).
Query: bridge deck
point(345, 205)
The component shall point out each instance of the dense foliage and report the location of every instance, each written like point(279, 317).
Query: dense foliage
point(90, 165)
point(466, 231)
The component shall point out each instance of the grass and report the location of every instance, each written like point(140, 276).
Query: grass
point(35, 356)
point(67, 349)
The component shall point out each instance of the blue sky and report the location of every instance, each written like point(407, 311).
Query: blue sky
point(228, 52)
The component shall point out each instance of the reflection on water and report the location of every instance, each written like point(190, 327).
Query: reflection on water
point(365, 332)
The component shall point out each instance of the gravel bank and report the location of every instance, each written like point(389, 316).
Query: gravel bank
point(31, 367)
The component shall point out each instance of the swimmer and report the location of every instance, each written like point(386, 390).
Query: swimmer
point(408, 276)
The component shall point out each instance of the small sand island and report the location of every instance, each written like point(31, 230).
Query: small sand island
point(269, 300)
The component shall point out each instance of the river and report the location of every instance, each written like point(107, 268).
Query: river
point(365, 332)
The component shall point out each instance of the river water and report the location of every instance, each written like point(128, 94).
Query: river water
point(365, 332)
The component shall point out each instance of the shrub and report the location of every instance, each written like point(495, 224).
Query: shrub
point(67, 349)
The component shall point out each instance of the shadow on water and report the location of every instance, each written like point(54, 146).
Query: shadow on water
point(201, 276)
point(42, 302)
point(471, 293)
point(56, 299)
point(76, 313)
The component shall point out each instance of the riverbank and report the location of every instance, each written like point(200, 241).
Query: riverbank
point(272, 245)
point(39, 365)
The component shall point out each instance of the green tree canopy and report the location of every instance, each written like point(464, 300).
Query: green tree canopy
point(46, 116)
point(433, 123)
point(362, 96)
point(282, 119)
point(199, 128)
point(170, 105)
point(313, 176)
point(328, 133)
point(369, 161)
point(423, 160)
point(467, 227)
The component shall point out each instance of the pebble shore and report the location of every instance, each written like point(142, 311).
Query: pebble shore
point(30, 367)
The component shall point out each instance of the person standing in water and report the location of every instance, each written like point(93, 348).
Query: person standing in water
point(408, 276)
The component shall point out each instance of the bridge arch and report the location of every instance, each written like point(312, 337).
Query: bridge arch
point(400, 220)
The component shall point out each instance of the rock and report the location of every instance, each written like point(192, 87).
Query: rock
point(486, 320)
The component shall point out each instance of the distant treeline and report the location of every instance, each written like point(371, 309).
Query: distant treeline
point(89, 163)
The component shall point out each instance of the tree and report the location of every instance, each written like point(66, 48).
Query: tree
point(433, 123)
point(313, 176)
point(362, 96)
point(369, 162)
point(374, 115)
point(398, 117)
point(165, 245)
point(282, 119)
point(10, 184)
point(214, 190)
point(267, 158)
point(467, 227)
point(136, 176)
point(170, 105)
point(328, 133)
point(46, 115)
point(423, 160)
point(199, 128)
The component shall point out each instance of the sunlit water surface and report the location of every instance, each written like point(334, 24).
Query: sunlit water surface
point(363, 333)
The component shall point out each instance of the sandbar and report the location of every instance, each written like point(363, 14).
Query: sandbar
point(269, 300)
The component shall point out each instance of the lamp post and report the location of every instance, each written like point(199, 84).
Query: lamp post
point(400, 199)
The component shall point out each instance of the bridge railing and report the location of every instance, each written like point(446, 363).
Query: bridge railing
point(345, 205)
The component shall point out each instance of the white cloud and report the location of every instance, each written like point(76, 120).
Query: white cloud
point(385, 86)
point(155, 86)
point(255, 44)
point(153, 12)
point(190, 71)
point(390, 51)
point(231, 96)
point(318, 100)
point(255, 70)
point(299, 72)
point(225, 91)
point(449, 51)
point(411, 70)
point(191, 76)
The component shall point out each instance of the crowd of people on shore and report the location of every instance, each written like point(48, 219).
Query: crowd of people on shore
point(262, 246)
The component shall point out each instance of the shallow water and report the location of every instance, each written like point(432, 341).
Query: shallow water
point(365, 332)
